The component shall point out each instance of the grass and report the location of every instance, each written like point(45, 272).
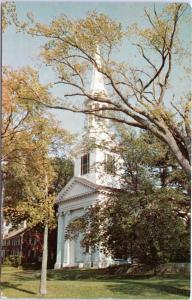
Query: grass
point(92, 284)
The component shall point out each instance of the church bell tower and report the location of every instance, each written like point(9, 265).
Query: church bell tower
point(94, 159)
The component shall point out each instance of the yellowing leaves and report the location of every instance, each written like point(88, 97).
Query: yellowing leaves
point(31, 138)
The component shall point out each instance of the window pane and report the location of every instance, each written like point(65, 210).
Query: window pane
point(85, 164)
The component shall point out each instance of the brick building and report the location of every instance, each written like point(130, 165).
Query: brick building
point(28, 243)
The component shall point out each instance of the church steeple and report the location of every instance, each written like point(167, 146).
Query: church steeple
point(98, 95)
point(93, 157)
point(97, 82)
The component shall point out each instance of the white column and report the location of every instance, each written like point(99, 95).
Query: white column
point(72, 252)
point(60, 240)
point(66, 243)
point(87, 256)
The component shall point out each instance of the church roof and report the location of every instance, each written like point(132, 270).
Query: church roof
point(83, 187)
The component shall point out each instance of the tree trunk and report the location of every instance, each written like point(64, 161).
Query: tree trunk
point(43, 282)
point(1, 222)
point(184, 163)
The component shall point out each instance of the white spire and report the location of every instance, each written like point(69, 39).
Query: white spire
point(97, 82)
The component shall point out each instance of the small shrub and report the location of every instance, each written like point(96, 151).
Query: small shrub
point(13, 260)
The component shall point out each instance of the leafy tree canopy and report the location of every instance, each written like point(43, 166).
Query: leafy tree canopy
point(137, 96)
point(150, 217)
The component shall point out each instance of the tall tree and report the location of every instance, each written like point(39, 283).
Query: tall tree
point(33, 146)
point(148, 218)
point(21, 116)
point(137, 96)
point(33, 199)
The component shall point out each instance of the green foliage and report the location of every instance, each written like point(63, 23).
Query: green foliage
point(148, 161)
point(12, 260)
point(149, 219)
point(146, 227)
point(63, 169)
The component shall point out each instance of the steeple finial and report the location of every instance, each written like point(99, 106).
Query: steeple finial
point(97, 82)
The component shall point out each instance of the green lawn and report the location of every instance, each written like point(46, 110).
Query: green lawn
point(93, 284)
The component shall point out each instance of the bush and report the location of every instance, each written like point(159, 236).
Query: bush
point(13, 260)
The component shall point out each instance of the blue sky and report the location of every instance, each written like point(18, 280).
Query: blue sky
point(21, 50)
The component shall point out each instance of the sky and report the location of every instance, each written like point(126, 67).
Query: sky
point(21, 50)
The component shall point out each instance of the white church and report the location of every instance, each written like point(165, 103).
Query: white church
point(93, 181)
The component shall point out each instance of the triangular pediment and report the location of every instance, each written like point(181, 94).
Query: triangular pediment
point(76, 187)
